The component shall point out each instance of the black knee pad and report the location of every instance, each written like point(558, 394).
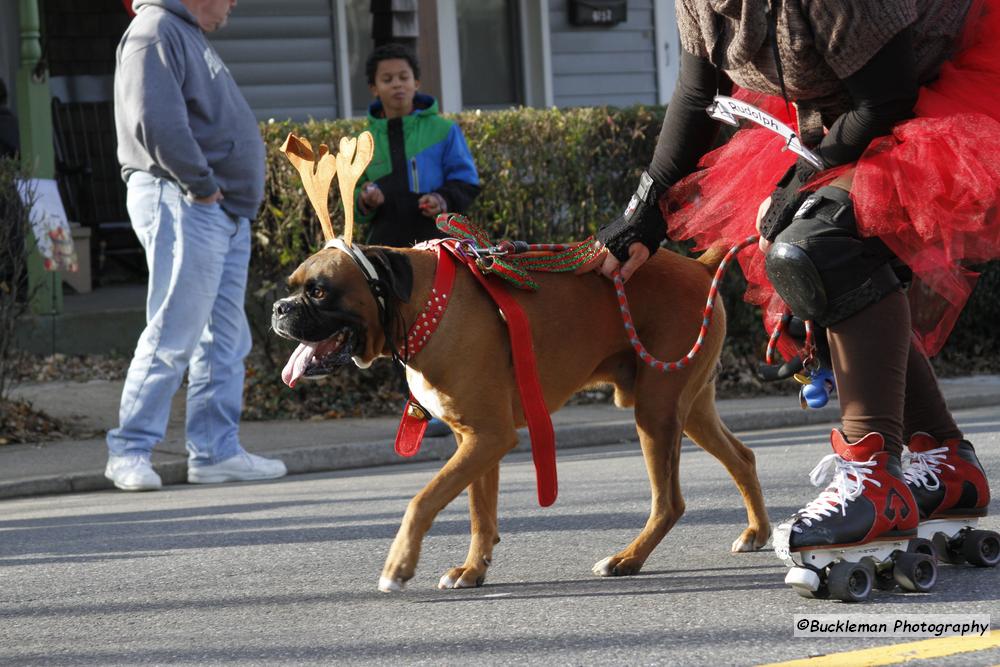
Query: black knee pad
point(821, 268)
point(796, 280)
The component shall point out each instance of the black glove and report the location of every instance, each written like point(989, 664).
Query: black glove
point(641, 221)
point(785, 201)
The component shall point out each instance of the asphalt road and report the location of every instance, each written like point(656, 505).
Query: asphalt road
point(286, 572)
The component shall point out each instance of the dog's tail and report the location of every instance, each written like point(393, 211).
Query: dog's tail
point(712, 257)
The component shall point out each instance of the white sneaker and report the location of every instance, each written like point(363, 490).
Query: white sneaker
point(132, 472)
point(243, 467)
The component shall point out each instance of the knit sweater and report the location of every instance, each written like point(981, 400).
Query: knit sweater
point(819, 43)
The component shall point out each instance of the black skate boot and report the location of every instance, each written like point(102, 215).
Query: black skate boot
point(855, 535)
point(952, 494)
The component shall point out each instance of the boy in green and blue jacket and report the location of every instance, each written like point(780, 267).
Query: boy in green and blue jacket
point(422, 166)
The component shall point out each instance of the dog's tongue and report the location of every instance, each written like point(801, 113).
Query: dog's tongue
point(296, 365)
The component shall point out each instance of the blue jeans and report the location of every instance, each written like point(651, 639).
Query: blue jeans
point(197, 256)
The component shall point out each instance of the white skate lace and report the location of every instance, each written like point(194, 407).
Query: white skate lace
point(923, 467)
point(848, 482)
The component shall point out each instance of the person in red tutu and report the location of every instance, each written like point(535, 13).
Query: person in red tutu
point(897, 98)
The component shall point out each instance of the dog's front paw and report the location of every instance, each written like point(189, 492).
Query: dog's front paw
point(616, 566)
point(389, 585)
point(462, 577)
point(751, 539)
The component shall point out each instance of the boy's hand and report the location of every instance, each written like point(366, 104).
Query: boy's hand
point(372, 196)
point(431, 204)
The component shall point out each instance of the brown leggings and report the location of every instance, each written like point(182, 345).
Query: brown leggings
point(885, 382)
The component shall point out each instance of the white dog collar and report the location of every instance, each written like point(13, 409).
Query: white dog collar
point(359, 258)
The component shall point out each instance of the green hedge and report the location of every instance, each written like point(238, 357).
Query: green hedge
point(14, 227)
point(548, 175)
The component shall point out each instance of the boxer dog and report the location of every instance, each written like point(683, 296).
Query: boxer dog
point(464, 376)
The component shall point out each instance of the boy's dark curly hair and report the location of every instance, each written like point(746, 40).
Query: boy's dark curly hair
point(390, 52)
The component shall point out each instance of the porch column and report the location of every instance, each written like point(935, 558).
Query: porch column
point(34, 112)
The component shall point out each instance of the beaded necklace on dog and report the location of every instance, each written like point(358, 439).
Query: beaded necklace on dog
point(429, 318)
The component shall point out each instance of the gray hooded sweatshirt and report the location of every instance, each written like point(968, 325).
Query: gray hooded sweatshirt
point(179, 114)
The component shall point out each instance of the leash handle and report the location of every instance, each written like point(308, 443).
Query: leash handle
point(772, 341)
point(770, 370)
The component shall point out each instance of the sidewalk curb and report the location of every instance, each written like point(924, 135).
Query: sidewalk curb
point(380, 452)
point(347, 456)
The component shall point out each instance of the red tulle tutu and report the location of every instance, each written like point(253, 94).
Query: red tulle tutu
point(929, 190)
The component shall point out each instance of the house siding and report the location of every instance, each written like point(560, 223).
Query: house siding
point(282, 56)
point(596, 66)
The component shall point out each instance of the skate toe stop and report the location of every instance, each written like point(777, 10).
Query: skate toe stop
point(804, 578)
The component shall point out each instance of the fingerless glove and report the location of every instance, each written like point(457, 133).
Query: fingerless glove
point(786, 199)
point(641, 221)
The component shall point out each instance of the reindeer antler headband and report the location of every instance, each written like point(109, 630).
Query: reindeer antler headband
point(318, 173)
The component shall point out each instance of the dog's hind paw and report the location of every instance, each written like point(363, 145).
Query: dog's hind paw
point(387, 585)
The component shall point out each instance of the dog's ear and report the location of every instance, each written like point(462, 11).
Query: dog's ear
point(395, 269)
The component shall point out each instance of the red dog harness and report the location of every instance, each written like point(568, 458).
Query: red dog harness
point(414, 421)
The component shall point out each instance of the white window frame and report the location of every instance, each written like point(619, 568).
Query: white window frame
point(449, 56)
point(345, 103)
point(536, 52)
point(536, 55)
point(667, 45)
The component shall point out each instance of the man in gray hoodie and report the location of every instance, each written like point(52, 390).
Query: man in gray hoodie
point(193, 159)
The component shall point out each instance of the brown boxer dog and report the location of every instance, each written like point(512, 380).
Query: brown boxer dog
point(465, 377)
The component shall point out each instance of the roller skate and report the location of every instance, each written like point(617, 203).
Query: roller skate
point(952, 493)
point(856, 535)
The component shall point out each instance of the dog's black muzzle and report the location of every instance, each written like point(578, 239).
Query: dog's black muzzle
point(336, 335)
point(290, 319)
